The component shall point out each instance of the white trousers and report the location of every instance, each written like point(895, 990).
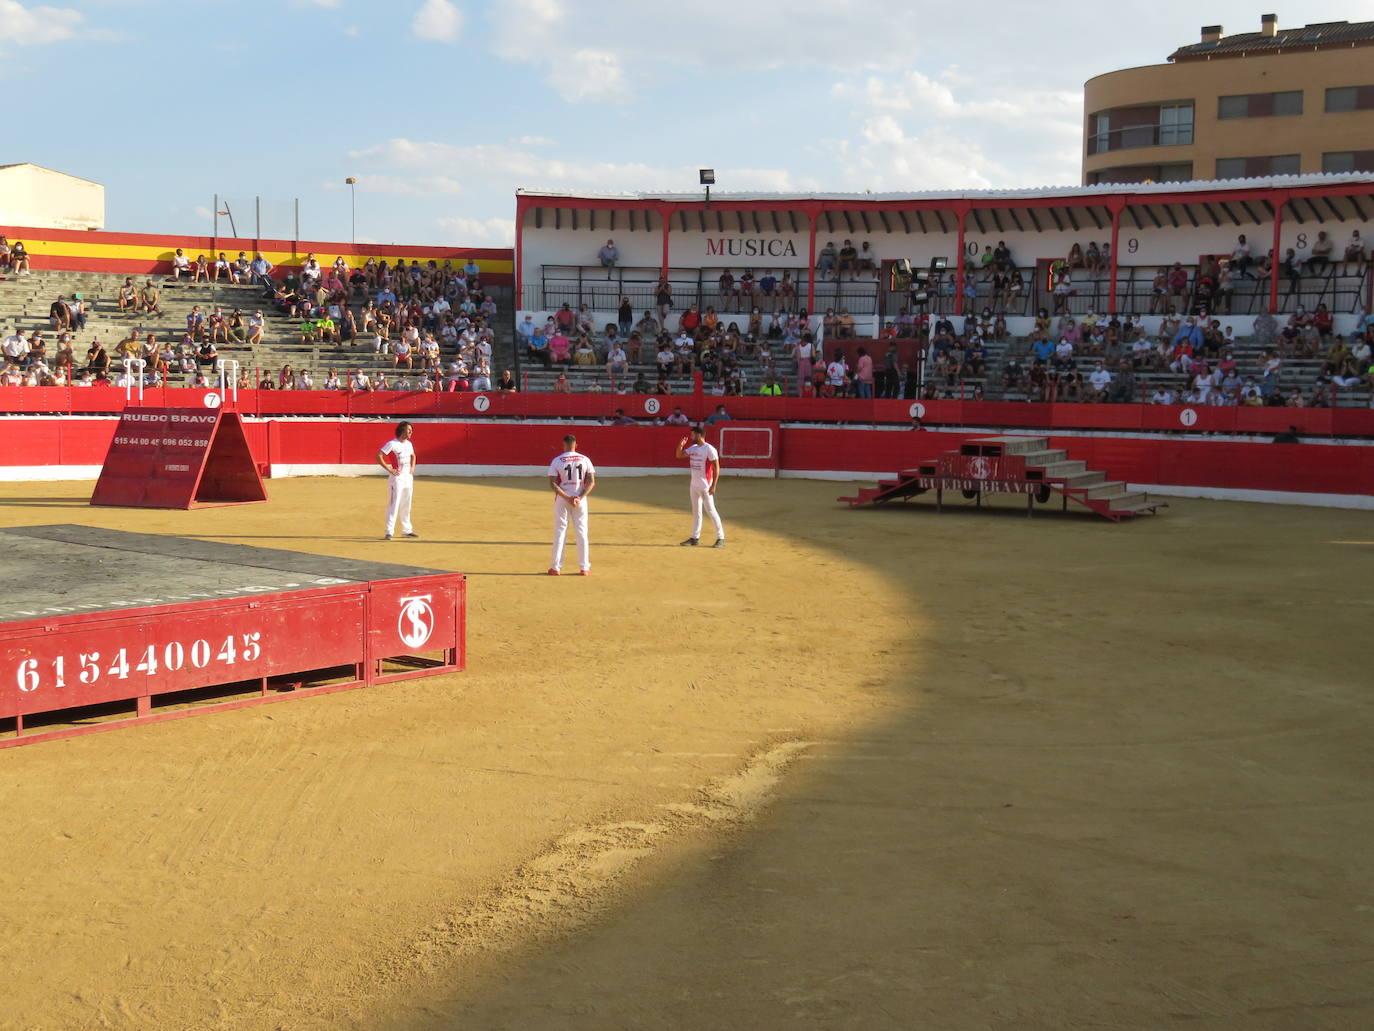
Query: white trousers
point(398, 503)
point(703, 498)
point(563, 511)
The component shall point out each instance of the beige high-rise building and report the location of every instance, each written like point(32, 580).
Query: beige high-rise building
point(1271, 102)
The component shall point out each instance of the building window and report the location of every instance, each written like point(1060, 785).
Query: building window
point(1350, 98)
point(1348, 161)
point(1148, 126)
point(1177, 172)
point(1260, 105)
point(1249, 168)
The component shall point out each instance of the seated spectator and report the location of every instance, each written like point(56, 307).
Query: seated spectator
point(1100, 379)
point(19, 259)
point(200, 270)
point(561, 385)
point(849, 257)
point(844, 324)
point(826, 259)
point(481, 379)
point(865, 260)
point(584, 353)
point(1354, 250)
point(608, 256)
point(181, 266)
point(220, 268)
point(621, 419)
point(560, 347)
point(719, 415)
point(506, 384)
point(148, 299)
point(59, 315)
point(127, 295)
point(617, 362)
point(1075, 258)
point(1320, 257)
point(678, 418)
point(5, 260)
point(538, 348)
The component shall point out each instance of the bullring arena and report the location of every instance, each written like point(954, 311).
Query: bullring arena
point(872, 767)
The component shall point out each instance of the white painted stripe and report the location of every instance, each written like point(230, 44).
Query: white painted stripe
point(47, 473)
point(1265, 497)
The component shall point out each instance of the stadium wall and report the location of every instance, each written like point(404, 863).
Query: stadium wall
point(151, 254)
point(1332, 473)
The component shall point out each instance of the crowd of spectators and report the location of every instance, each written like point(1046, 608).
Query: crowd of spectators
point(703, 341)
point(430, 324)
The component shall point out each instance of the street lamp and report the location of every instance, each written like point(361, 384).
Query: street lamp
point(353, 205)
point(708, 179)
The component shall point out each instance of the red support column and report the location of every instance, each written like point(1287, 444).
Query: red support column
point(962, 211)
point(813, 216)
point(1117, 206)
point(519, 239)
point(1278, 200)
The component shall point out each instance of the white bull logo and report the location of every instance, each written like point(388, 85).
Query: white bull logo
point(415, 624)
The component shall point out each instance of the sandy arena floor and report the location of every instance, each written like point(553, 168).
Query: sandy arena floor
point(884, 769)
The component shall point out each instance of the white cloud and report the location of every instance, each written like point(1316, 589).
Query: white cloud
point(438, 21)
point(588, 75)
point(202, 212)
point(315, 3)
point(351, 30)
point(950, 131)
point(532, 141)
point(35, 25)
point(490, 232)
point(505, 168)
point(398, 186)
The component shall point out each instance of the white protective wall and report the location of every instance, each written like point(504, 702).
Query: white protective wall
point(41, 198)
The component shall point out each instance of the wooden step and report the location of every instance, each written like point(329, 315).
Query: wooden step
point(1062, 470)
point(1135, 507)
point(1124, 501)
point(1016, 445)
point(1109, 489)
point(1085, 479)
point(1040, 458)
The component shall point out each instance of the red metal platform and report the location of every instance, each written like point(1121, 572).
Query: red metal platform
point(1012, 465)
point(101, 628)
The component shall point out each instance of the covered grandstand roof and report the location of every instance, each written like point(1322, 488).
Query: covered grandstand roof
point(1238, 202)
point(1276, 182)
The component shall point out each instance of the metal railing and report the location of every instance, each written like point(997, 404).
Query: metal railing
point(1132, 136)
point(576, 285)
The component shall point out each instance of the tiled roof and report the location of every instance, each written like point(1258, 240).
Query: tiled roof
point(1323, 34)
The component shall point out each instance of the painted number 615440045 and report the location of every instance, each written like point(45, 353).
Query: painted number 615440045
point(172, 657)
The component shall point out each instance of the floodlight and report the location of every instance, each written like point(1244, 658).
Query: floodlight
point(708, 176)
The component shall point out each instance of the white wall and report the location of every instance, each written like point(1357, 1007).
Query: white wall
point(43, 199)
point(777, 251)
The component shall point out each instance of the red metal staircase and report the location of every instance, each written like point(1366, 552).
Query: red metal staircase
point(1012, 465)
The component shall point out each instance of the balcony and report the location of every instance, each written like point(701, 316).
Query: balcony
point(1132, 136)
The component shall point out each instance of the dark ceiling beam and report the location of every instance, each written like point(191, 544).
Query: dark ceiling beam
point(978, 221)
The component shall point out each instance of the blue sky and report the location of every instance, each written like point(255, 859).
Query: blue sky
point(442, 108)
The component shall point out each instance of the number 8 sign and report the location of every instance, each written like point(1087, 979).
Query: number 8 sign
point(651, 405)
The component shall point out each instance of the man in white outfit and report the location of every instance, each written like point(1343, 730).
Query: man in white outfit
point(572, 477)
point(705, 466)
point(397, 457)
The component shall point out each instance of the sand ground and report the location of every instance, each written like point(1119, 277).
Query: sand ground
point(884, 769)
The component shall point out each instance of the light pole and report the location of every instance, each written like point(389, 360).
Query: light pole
point(353, 205)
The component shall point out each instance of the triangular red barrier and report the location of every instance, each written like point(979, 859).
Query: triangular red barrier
point(178, 458)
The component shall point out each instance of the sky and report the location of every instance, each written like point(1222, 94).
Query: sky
point(442, 109)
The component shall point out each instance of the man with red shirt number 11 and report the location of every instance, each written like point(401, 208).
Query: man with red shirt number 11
point(705, 465)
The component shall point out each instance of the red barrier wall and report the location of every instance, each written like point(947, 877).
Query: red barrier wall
point(1341, 422)
point(1306, 468)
